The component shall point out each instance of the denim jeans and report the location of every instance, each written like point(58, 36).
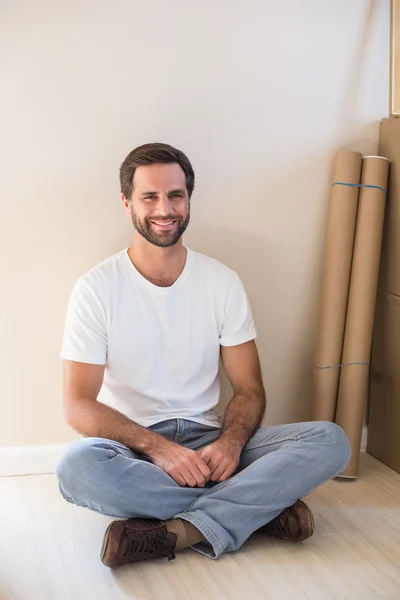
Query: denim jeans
point(279, 465)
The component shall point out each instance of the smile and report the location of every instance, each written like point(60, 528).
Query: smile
point(163, 223)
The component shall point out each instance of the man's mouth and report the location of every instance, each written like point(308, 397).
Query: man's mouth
point(164, 224)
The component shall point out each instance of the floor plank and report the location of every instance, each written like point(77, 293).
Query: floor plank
point(49, 550)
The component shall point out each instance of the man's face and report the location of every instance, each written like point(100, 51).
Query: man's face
point(160, 207)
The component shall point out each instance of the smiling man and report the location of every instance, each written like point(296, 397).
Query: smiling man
point(144, 334)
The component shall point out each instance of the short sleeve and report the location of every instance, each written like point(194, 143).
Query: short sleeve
point(85, 333)
point(238, 325)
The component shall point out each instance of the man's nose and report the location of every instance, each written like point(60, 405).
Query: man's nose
point(163, 205)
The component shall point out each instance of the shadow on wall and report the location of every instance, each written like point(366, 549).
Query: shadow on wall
point(271, 230)
point(353, 87)
point(285, 345)
point(269, 225)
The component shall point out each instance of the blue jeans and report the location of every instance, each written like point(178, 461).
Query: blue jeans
point(278, 466)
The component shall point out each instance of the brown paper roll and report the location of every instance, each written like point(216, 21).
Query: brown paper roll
point(353, 385)
point(335, 284)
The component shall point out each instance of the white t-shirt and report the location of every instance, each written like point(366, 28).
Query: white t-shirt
point(160, 345)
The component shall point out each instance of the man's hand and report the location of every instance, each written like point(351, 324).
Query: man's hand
point(185, 466)
point(222, 458)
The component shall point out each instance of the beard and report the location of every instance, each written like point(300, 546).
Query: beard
point(162, 239)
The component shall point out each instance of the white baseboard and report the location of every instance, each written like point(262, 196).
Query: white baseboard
point(29, 460)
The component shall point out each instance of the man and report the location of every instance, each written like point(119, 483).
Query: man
point(144, 334)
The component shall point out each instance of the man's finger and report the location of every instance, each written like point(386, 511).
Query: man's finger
point(215, 465)
point(198, 475)
point(218, 471)
point(212, 459)
point(188, 477)
point(203, 468)
point(227, 473)
point(205, 454)
point(178, 479)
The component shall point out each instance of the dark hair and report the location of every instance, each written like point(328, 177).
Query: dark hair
point(149, 154)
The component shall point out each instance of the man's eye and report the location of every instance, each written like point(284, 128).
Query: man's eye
point(151, 197)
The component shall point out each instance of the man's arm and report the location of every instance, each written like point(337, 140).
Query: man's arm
point(82, 384)
point(244, 413)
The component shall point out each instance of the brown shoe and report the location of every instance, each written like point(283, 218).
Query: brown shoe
point(295, 523)
point(135, 540)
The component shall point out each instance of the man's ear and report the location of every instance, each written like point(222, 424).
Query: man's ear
point(126, 204)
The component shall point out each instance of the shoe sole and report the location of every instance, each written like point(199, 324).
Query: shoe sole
point(306, 519)
point(105, 550)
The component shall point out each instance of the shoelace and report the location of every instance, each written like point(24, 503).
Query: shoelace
point(279, 524)
point(149, 546)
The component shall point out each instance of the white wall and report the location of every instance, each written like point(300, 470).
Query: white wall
point(258, 93)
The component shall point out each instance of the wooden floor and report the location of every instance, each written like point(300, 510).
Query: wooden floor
point(49, 550)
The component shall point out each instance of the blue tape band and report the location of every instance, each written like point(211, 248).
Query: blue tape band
point(342, 365)
point(364, 185)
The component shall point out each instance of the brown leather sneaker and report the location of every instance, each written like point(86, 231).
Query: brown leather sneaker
point(135, 540)
point(295, 523)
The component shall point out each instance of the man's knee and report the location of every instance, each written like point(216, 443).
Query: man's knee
point(332, 433)
point(335, 437)
point(78, 463)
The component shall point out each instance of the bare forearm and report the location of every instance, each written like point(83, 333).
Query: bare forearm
point(243, 416)
point(93, 419)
